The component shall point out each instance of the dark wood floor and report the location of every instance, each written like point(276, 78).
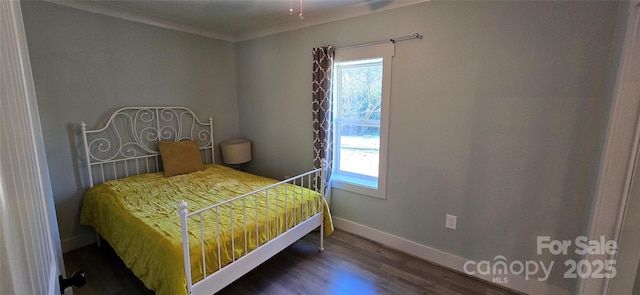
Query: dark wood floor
point(348, 265)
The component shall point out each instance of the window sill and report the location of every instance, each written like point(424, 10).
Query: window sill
point(357, 185)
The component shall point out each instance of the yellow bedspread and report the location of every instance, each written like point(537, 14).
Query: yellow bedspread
point(138, 216)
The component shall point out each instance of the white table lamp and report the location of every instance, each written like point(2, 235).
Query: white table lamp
point(236, 151)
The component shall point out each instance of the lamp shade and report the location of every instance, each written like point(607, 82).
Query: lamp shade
point(236, 151)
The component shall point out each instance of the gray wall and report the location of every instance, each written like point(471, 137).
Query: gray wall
point(497, 116)
point(86, 65)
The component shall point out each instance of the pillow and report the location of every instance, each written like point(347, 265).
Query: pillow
point(180, 157)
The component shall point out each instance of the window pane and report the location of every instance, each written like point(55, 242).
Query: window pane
point(360, 91)
point(359, 149)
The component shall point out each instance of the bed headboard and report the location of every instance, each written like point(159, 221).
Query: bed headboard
point(127, 144)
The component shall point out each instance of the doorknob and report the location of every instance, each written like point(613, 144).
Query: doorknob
point(77, 279)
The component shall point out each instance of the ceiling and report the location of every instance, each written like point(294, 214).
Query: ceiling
point(235, 20)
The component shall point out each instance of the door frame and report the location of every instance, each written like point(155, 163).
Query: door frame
point(29, 230)
point(618, 162)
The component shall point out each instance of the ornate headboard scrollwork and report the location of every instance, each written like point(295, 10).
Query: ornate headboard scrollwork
point(127, 144)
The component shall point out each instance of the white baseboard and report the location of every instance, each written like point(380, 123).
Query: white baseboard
point(442, 258)
point(77, 242)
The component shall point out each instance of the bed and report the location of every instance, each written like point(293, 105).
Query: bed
point(196, 231)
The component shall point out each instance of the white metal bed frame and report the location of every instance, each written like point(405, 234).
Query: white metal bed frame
point(127, 145)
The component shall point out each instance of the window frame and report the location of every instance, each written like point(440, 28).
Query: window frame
point(354, 182)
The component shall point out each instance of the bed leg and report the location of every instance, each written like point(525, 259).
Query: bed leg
point(321, 237)
point(98, 239)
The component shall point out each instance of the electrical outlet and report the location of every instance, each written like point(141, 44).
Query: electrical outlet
point(451, 221)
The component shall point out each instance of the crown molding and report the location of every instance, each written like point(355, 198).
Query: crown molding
point(141, 17)
point(323, 18)
point(290, 25)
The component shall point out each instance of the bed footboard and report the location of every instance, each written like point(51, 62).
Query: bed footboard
point(252, 254)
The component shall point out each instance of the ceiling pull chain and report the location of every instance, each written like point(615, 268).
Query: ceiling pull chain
point(301, 15)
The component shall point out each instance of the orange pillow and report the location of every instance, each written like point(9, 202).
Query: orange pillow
point(180, 157)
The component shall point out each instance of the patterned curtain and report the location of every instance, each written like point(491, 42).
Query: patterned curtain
point(322, 113)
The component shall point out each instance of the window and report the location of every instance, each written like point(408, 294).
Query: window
point(361, 91)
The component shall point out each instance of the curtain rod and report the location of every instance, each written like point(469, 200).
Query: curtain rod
point(392, 40)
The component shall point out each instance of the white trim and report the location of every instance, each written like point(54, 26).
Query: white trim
point(439, 257)
point(53, 278)
point(359, 9)
point(628, 253)
point(357, 185)
point(628, 220)
point(347, 12)
point(78, 241)
point(27, 228)
point(386, 51)
point(141, 17)
point(616, 169)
